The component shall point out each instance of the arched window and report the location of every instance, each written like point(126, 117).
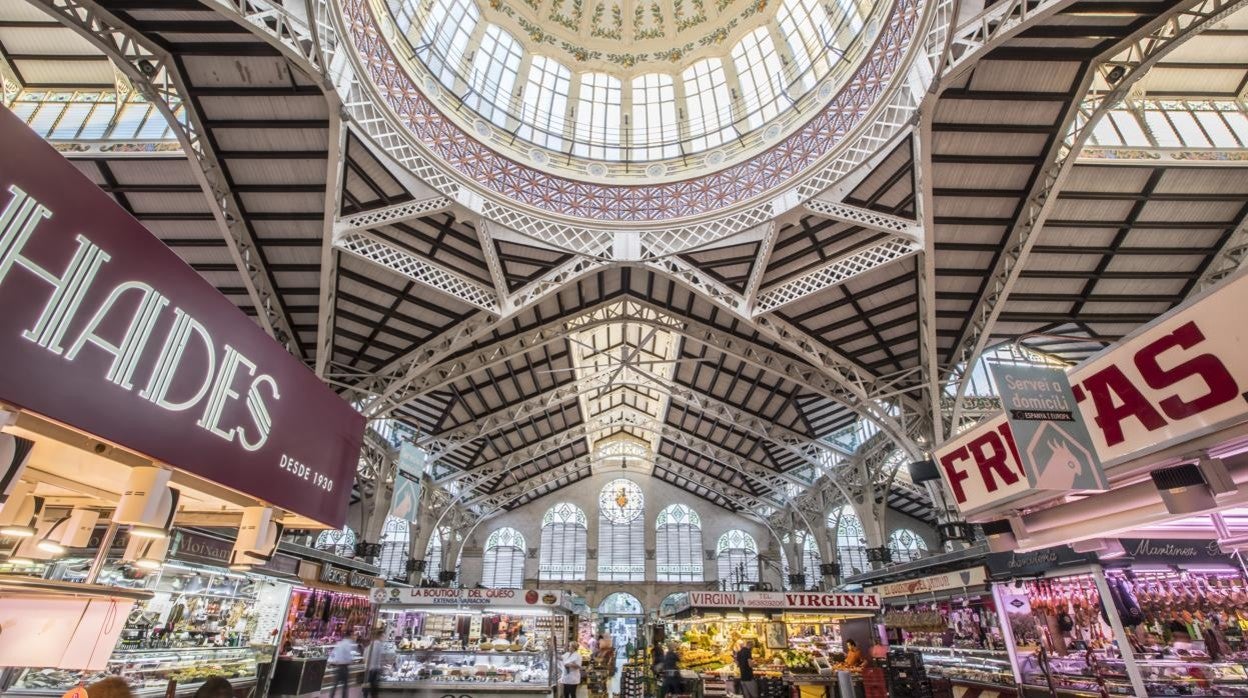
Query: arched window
point(396, 538)
point(562, 551)
point(597, 127)
point(709, 103)
point(621, 532)
point(811, 560)
point(672, 602)
point(736, 555)
point(444, 33)
point(545, 103)
point(761, 75)
point(621, 604)
point(493, 78)
point(503, 564)
point(678, 545)
point(433, 557)
point(906, 545)
point(654, 117)
point(851, 545)
point(340, 543)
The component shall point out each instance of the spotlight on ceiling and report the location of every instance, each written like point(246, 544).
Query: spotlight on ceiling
point(1115, 74)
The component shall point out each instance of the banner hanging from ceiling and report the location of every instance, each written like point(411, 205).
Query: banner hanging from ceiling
point(107, 330)
point(1181, 377)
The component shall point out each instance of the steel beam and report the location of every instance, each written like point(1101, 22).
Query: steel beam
point(327, 305)
point(835, 272)
point(1128, 65)
point(153, 72)
point(905, 228)
point(423, 271)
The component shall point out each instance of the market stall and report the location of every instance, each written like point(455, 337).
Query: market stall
point(1145, 435)
point(488, 643)
point(198, 619)
point(952, 621)
point(797, 639)
point(331, 601)
point(134, 399)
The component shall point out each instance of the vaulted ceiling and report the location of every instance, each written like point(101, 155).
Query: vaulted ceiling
point(519, 364)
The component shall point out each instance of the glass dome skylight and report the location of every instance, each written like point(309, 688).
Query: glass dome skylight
point(632, 81)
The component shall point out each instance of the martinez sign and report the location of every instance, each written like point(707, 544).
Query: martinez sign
point(784, 601)
point(107, 330)
point(1181, 377)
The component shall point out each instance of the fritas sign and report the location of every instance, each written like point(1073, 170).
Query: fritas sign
point(1183, 376)
point(107, 330)
point(784, 601)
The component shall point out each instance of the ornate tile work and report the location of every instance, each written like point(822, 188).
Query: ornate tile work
point(624, 203)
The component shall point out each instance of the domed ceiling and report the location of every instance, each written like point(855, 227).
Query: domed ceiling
point(629, 36)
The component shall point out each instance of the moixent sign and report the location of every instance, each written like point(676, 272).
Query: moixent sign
point(1181, 377)
point(784, 601)
point(107, 330)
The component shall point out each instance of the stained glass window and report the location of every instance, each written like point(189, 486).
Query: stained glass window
point(736, 556)
point(396, 538)
point(563, 548)
point(340, 543)
point(906, 545)
point(851, 545)
point(621, 532)
point(503, 563)
point(678, 545)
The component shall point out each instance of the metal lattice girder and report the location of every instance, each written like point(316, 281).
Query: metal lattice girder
point(816, 453)
point(990, 28)
point(154, 73)
point(838, 377)
point(419, 269)
point(765, 247)
point(401, 380)
point(872, 220)
point(1228, 260)
point(763, 476)
point(285, 23)
point(486, 231)
point(389, 215)
point(327, 308)
point(925, 270)
point(834, 273)
point(1130, 64)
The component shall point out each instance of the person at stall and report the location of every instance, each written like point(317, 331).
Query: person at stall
point(671, 676)
point(372, 664)
point(571, 663)
point(749, 687)
point(215, 687)
point(853, 656)
point(340, 658)
point(112, 687)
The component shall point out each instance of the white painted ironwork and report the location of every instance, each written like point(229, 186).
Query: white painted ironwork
point(991, 28)
point(389, 215)
point(327, 302)
point(419, 269)
point(872, 220)
point(835, 272)
point(1128, 65)
point(1232, 257)
point(153, 72)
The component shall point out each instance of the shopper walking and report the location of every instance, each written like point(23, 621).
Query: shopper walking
point(372, 664)
point(671, 676)
point(571, 663)
point(341, 658)
point(749, 687)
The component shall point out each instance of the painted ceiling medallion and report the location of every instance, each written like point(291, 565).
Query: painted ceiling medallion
point(623, 35)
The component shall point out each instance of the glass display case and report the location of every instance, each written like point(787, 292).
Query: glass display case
point(149, 671)
point(200, 621)
point(987, 667)
point(1177, 677)
point(481, 670)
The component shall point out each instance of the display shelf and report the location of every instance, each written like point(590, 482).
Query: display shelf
point(144, 669)
point(431, 668)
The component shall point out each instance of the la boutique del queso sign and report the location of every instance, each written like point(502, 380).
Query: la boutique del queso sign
point(107, 330)
point(1182, 376)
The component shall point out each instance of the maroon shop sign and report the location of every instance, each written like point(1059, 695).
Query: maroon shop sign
point(107, 330)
